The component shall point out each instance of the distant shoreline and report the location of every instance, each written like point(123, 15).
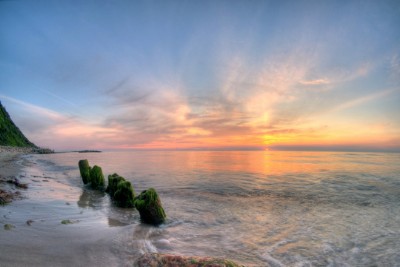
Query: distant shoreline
point(88, 151)
point(36, 150)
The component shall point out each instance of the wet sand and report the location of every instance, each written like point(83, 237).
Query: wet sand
point(8, 171)
point(58, 224)
point(8, 165)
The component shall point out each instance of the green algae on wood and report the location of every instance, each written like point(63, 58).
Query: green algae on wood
point(121, 191)
point(113, 181)
point(149, 206)
point(96, 177)
point(84, 169)
point(124, 195)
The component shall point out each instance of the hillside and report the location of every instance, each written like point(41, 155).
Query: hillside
point(10, 134)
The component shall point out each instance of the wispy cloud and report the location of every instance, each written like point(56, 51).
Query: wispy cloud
point(349, 74)
point(314, 82)
point(43, 112)
point(58, 97)
point(43, 126)
point(364, 99)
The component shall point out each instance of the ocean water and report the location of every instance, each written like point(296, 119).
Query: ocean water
point(258, 208)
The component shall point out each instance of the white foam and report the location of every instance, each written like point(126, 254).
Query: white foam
point(149, 247)
point(272, 261)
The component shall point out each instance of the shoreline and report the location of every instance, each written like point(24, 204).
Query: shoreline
point(57, 221)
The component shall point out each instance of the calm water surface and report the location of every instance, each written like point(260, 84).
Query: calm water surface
point(258, 208)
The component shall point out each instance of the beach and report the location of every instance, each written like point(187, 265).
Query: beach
point(43, 226)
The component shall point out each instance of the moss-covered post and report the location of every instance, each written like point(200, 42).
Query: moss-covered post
point(121, 191)
point(84, 168)
point(149, 206)
point(124, 195)
point(96, 177)
point(113, 181)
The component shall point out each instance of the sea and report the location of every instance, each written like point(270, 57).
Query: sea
point(258, 208)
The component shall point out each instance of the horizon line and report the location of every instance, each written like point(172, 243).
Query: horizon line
point(270, 148)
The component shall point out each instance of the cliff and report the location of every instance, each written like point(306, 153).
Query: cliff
point(10, 134)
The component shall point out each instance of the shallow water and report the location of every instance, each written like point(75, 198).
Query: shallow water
point(257, 208)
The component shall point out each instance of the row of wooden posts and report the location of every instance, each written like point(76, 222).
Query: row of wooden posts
point(122, 193)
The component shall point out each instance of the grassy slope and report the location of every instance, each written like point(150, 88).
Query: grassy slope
point(10, 135)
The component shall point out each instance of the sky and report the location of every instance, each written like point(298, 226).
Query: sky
point(314, 75)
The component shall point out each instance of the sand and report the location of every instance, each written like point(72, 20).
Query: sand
point(8, 164)
point(9, 185)
point(53, 223)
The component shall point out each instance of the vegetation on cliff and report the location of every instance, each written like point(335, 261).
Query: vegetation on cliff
point(10, 134)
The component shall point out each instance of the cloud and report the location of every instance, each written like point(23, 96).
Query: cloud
point(58, 97)
point(364, 99)
point(48, 128)
point(343, 75)
point(246, 102)
point(315, 82)
point(145, 118)
point(237, 104)
point(43, 112)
